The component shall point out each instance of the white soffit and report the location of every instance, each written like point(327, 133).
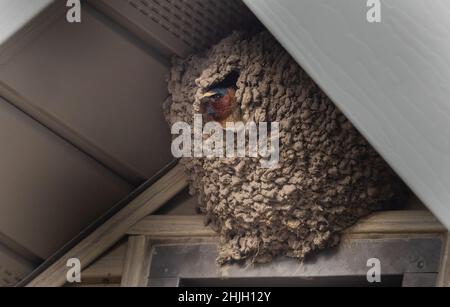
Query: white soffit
point(392, 79)
point(14, 14)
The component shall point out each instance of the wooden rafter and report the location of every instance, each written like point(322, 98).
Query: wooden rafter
point(107, 269)
point(115, 228)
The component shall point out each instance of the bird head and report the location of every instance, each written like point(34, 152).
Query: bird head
point(214, 94)
point(218, 103)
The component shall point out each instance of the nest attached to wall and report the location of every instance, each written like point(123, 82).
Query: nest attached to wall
point(328, 176)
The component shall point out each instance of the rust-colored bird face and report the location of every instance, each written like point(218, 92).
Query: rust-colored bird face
point(218, 105)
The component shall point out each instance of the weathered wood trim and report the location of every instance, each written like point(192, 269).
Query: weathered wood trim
point(444, 271)
point(161, 226)
point(415, 222)
point(395, 222)
point(137, 262)
point(108, 269)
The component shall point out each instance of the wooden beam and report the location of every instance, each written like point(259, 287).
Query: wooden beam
point(108, 268)
point(444, 270)
point(137, 262)
point(116, 227)
point(407, 221)
point(396, 222)
point(162, 226)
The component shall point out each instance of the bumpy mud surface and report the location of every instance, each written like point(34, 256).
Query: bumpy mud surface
point(328, 176)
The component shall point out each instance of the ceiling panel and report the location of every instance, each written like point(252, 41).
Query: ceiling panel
point(96, 87)
point(49, 190)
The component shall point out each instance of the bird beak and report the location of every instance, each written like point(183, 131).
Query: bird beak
point(208, 95)
point(205, 98)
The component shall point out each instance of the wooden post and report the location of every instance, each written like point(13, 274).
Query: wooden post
point(137, 262)
point(444, 271)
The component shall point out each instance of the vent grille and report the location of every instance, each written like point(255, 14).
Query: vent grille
point(197, 23)
point(179, 26)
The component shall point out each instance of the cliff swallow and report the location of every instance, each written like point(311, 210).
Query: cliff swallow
point(218, 104)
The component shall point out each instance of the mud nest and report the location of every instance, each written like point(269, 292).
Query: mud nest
point(328, 176)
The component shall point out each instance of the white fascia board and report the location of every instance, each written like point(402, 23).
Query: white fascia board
point(391, 79)
point(15, 14)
